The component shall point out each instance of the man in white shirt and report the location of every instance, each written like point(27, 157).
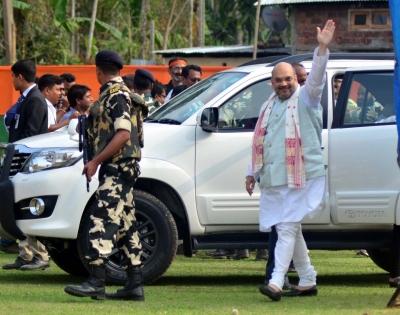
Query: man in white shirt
point(52, 88)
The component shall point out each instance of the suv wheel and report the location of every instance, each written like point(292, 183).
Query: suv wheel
point(158, 235)
point(65, 255)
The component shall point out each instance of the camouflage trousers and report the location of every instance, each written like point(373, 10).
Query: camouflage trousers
point(112, 216)
point(31, 247)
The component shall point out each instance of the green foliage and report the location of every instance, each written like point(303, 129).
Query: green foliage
point(228, 17)
point(45, 28)
point(21, 5)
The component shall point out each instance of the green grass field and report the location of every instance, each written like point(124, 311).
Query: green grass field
point(348, 284)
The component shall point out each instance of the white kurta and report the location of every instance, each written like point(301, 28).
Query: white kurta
point(283, 204)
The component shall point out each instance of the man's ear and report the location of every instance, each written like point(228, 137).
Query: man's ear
point(46, 91)
point(20, 77)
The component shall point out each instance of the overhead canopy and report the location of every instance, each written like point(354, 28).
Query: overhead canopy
point(222, 51)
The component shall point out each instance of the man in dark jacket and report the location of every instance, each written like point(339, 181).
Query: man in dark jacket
point(28, 117)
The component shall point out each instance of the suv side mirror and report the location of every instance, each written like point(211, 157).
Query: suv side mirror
point(209, 119)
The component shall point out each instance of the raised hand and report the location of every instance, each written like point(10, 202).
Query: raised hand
point(325, 35)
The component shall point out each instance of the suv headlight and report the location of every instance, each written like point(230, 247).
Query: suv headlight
point(50, 159)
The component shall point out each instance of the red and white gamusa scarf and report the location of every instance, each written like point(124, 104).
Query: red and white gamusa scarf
point(296, 176)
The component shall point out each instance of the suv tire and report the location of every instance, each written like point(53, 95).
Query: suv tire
point(158, 235)
point(67, 258)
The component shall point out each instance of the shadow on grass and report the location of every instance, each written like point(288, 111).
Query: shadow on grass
point(221, 280)
point(215, 280)
point(38, 278)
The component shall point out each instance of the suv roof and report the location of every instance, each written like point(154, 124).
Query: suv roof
point(273, 60)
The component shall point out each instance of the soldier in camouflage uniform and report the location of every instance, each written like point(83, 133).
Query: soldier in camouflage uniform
point(115, 139)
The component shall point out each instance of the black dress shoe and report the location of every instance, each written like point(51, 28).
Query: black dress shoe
point(136, 294)
point(296, 292)
point(17, 264)
point(394, 282)
point(86, 289)
point(273, 295)
point(36, 264)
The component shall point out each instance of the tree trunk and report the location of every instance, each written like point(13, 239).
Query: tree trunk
point(239, 26)
point(73, 37)
point(257, 24)
point(91, 30)
point(191, 23)
point(152, 31)
point(201, 22)
point(168, 28)
point(9, 32)
point(130, 40)
point(143, 27)
point(172, 21)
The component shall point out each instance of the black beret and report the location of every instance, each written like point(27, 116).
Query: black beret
point(109, 57)
point(145, 74)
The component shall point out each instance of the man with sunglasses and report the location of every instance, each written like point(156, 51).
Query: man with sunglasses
point(191, 74)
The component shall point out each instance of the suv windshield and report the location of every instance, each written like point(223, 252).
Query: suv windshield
point(181, 107)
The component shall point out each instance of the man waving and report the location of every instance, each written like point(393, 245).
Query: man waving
point(288, 165)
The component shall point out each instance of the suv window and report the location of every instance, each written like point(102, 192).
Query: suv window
point(370, 99)
point(185, 104)
point(241, 111)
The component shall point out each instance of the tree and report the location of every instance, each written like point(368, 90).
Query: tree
point(91, 30)
point(70, 31)
point(9, 31)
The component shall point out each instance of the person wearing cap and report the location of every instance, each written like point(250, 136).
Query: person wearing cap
point(175, 66)
point(115, 136)
point(158, 94)
point(143, 82)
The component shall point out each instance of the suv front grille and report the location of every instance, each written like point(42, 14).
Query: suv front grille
point(18, 161)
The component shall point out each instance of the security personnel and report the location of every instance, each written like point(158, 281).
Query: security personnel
point(143, 83)
point(115, 138)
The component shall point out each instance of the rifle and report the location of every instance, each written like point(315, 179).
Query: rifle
point(83, 142)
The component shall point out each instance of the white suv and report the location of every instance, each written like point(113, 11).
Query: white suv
point(197, 148)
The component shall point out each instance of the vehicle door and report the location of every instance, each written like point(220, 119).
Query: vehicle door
point(222, 158)
point(364, 178)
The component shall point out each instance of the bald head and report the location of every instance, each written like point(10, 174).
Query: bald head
point(284, 80)
point(282, 67)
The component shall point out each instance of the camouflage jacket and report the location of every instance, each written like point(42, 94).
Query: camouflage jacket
point(117, 108)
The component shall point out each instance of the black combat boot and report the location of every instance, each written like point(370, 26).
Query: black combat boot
point(92, 287)
point(133, 289)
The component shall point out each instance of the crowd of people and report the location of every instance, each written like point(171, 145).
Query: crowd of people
point(48, 103)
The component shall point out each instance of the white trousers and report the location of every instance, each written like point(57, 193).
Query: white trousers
point(291, 245)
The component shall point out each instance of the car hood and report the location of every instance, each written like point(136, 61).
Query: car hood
point(160, 140)
point(56, 139)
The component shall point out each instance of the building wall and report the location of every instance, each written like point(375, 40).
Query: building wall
point(306, 17)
